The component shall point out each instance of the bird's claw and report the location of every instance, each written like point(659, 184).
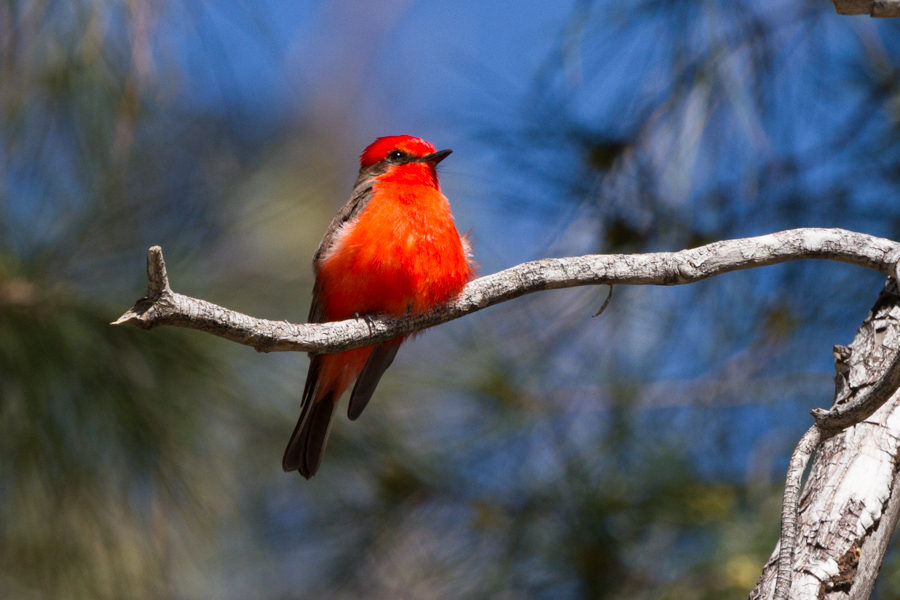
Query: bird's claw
point(368, 320)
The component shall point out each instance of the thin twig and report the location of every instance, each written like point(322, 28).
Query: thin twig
point(605, 302)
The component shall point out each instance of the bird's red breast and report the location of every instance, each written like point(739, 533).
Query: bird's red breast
point(403, 254)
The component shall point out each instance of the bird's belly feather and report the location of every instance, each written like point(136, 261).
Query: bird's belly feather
point(397, 257)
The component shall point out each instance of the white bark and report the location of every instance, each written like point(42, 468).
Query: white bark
point(850, 504)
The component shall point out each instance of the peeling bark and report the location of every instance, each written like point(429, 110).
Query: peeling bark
point(875, 8)
point(850, 502)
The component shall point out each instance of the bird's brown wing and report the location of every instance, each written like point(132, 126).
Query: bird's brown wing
point(307, 444)
point(359, 198)
point(381, 358)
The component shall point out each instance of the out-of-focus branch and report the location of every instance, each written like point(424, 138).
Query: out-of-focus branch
point(876, 8)
point(162, 306)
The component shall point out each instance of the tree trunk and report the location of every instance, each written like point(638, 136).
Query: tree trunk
point(851, 501)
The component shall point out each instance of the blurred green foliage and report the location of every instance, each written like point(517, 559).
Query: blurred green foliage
point(115, 444)
point(528, 452)
point(107, 457)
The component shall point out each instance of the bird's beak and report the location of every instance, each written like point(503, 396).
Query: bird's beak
point(436, 157)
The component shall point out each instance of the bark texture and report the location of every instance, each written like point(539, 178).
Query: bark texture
point(851, 501)
point(162, 306)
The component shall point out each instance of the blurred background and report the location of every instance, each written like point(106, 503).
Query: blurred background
point(527, 451)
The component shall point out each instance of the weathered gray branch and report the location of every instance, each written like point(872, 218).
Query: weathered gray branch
point(875, 8)
point(851, 501)
point(162, 306)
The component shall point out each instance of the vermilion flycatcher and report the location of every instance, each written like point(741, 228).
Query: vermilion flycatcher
point(392, 249)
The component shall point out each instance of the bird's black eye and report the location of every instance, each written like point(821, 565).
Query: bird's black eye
point(396, 155)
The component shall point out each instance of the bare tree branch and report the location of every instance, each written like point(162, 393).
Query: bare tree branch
point(808, 443)
point(162, 306)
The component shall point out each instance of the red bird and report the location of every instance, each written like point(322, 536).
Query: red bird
point(392, 249)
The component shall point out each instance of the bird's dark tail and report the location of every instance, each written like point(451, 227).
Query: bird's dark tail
point(307, 445)
point(304, 451)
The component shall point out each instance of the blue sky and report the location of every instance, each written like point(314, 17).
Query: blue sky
point(422, 68)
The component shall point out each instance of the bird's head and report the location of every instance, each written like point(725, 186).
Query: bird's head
point(402, 158)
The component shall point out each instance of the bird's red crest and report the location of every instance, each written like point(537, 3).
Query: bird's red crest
point(378, 150)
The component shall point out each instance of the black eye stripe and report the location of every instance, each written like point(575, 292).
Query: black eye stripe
point(397, 156)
